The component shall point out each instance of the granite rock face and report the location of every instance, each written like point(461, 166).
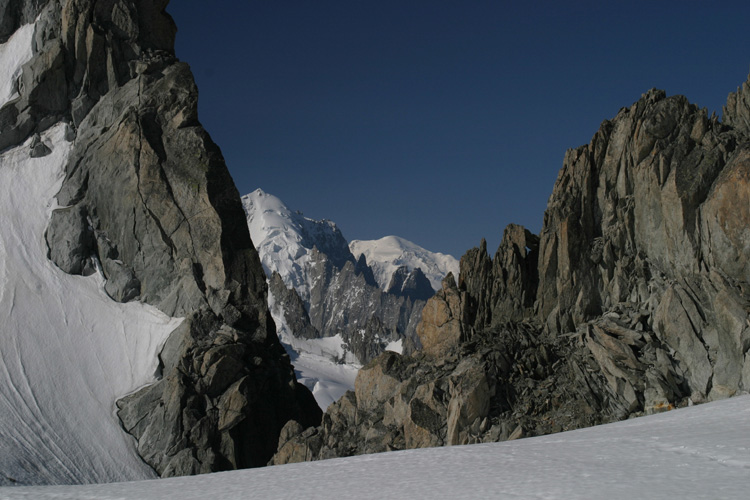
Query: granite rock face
point(148, 199)
point(444, 323)
point(634, 299)
point(221, 403)
point(413, 284)
point(16, 13)
point(639, 225)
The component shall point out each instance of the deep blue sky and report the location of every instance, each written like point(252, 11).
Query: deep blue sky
point(438, 121)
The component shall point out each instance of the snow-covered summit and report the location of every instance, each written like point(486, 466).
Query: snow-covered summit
point(391, 252)
point(285, 239)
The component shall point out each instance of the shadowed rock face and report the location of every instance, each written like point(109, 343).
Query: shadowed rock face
point(634, 299)
point(16, 13)
point(149, 198)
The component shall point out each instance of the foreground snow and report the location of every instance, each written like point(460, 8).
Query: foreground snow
point(697, 452)
point(67, 351)
point(391, 252)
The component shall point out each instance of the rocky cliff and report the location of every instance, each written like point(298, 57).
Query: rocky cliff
point(149, 203)
point(634, 299)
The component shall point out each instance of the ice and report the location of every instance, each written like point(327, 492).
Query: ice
point(327, 380)
point(67, 351)
point(396, 346)
point(692, 453)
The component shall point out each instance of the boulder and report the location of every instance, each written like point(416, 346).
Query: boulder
point(470, 400)
point(71, 240)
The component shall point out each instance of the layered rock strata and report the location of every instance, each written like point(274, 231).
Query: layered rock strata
point(148, 202)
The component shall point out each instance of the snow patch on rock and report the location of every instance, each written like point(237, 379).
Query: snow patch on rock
point(14, 53)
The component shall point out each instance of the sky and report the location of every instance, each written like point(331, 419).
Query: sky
point(435, 120)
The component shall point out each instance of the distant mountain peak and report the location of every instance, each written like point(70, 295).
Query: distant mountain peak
point(386, 255)
point(285, 239)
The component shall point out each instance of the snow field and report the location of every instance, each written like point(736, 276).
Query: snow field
point(277, 235)
point(391, 252)
point(67, 351)
point(699, 452)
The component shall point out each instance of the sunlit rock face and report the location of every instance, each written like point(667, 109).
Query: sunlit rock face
point(633, 299)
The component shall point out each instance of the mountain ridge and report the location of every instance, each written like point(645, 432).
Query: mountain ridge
point(319, 290)
point(634, 299)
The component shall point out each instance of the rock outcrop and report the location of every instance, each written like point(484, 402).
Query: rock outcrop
point(634, 299)
point(506, 383)
point(444, 323)
point(148, 201)
point(413, 284)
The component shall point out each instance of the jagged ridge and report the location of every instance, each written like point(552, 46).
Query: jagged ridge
point(320, 290)
point(634, 299)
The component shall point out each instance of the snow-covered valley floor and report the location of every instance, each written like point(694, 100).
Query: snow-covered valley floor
point(697, 452)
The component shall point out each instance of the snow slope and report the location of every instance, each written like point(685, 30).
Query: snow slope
point(13, 55)
point(284, 240)
point(67, 351)
point(391, 252)
point(693, 453)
